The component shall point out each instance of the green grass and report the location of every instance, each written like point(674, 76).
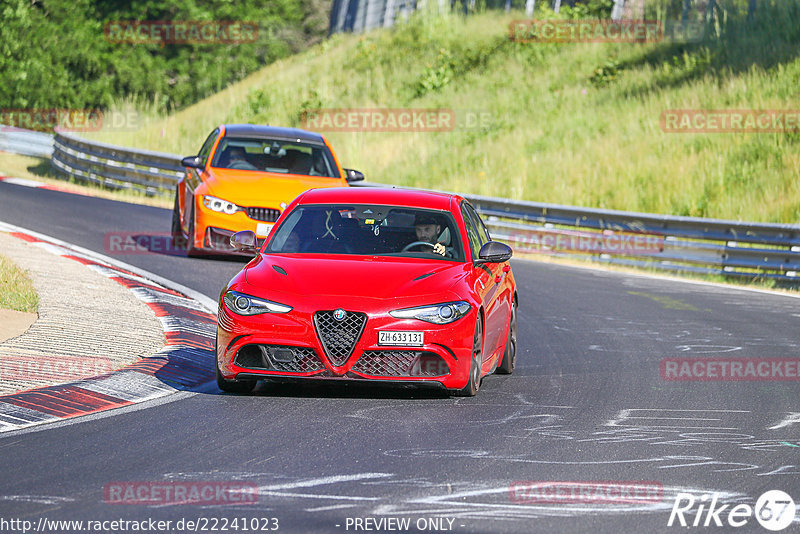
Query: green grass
point(16, 289)
point(573, 124)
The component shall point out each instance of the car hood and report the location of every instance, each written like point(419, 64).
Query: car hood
point(354, 276)
point(262, 189)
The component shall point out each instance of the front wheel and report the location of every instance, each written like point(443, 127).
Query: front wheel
point(232, 386)
point(474, 383)
point(189, 244)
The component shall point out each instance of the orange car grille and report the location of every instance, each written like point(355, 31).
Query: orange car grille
point(263, 214)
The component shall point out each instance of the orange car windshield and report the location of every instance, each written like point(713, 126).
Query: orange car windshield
point(275, 156)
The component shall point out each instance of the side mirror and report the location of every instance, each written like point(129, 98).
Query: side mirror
point(192, 161)
point(244, 241)
point(353, 175)
point(494, 252)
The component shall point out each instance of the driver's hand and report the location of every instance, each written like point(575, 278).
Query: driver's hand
point(439, 249)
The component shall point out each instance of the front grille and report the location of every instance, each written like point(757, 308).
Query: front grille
point(339, 337)
point(401, 363)
point(278, 358)
point(263, 214)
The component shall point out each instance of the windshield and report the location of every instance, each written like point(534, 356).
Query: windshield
point(369, 230)
point(276, 156)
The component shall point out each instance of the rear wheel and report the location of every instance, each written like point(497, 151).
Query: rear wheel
point(474, 382)
point(178, 241)
point(510, 354)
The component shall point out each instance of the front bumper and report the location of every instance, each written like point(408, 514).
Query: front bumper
point(219, 240)
point(213, 229)
point(290, 346)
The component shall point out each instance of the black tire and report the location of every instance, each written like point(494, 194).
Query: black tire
point(189, 243)
point(474, 383)
point(178, 241)
point(232, 386)
point(506, 367)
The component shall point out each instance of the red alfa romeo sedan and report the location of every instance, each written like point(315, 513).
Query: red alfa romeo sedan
point(370, 284)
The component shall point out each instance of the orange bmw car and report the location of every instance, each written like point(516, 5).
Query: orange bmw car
point(243, 178)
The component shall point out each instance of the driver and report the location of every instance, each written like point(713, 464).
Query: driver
point(237, 159)
point(429, 230)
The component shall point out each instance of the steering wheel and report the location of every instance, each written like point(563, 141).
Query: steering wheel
point(415, 243)
point(242, 165)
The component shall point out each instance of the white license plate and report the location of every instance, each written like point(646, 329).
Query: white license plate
point(401, 338)
point(263, 229)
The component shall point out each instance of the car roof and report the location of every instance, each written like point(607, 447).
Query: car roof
point(262, 130)
point(379, 195)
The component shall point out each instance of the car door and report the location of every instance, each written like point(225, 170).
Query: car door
point(485, 280)
point(502, 296)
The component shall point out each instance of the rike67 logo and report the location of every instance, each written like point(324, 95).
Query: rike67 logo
point(774, 510)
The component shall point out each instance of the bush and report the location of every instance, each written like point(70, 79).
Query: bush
point(55, 53)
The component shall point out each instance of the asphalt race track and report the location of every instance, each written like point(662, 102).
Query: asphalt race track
point(586, 403)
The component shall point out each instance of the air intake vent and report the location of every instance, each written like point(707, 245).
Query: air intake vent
point(279, 358)
point(401, 363)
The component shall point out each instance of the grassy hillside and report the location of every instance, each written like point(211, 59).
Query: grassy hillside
point(568, 123)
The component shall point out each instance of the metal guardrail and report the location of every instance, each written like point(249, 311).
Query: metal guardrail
point(689, 244)
point(694, 244)
point(25, 142)
point(116, 167)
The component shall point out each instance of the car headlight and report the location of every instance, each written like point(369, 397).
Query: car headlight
point(444, 313)
point(222, 206)
point(248, 305)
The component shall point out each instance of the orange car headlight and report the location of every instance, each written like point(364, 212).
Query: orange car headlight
point(219, 205)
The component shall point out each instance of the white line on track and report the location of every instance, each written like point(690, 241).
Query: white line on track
point(58, 246)
point(209, 303)
point(333, 507)
point(324, 481)
point(22, 181)
point(172, 397)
